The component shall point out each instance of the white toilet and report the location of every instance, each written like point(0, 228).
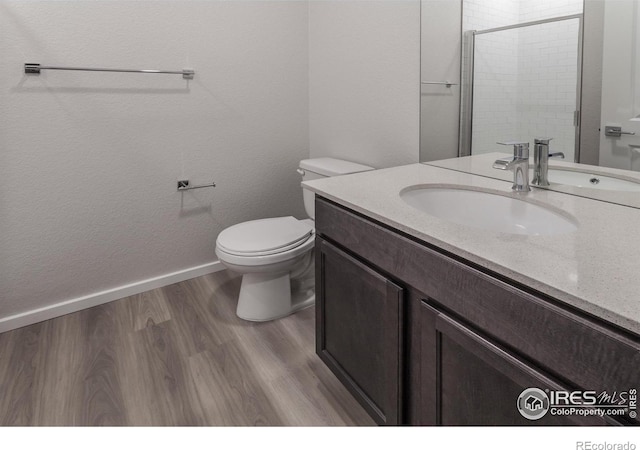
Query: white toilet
point(275, 256)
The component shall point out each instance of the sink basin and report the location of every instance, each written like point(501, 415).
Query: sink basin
point(488, 211)
point(587, 180)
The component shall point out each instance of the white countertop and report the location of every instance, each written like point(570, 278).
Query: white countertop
point(595, 269)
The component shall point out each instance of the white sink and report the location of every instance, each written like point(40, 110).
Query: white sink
point(592, 181)
point(487, 211)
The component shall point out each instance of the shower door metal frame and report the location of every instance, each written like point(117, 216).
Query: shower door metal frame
point(466, 94)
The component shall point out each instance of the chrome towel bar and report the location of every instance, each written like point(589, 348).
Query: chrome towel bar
point(616, 131)
point(32, 68)
point(446, 83)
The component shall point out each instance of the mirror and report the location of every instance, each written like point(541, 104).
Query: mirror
point(517, 70)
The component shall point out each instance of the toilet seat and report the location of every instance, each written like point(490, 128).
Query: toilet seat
point(265, 241)
point(264, 236)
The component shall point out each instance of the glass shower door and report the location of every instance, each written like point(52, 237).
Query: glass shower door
point(525, 84)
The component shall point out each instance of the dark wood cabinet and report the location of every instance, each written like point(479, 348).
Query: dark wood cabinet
point(358, 317)
point(466, 379)
point(421, 336)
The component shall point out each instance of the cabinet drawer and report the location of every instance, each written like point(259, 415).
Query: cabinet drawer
point(585, 352)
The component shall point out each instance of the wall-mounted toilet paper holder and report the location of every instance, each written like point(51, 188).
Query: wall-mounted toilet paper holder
point(184, 185)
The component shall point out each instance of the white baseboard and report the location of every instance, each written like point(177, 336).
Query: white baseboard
point(98, 298)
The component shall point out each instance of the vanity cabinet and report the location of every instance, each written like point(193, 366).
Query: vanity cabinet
point(359, 317)
point(421, 336)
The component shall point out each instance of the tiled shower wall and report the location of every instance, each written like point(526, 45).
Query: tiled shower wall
point(525, 79)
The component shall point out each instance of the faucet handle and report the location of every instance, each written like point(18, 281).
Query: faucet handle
point(520, 148)
point(545, 141)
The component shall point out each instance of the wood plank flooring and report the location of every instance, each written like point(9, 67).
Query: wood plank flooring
point(171, 356)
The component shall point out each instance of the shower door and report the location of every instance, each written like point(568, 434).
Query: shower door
point(522, 82)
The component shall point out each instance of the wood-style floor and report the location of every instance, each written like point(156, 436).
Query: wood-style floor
point(171, 356)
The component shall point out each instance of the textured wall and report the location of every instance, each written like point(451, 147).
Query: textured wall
point(364, 96)
point(89, 161)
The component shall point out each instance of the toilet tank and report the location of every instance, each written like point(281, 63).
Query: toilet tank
point(312, 169)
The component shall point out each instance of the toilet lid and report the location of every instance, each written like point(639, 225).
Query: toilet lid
point(264, 236)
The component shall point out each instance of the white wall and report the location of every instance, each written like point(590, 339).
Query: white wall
point(89, 161)
point(620, 84)
point(483, 14)
point(441, 44)
point(364, 96)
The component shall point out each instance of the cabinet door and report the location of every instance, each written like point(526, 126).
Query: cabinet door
point(358, 318)
point(469, 380)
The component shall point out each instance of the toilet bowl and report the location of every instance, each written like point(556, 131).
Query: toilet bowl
point(275, 255)
point(270, 253)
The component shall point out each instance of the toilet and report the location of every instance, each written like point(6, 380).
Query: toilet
point(275, 255)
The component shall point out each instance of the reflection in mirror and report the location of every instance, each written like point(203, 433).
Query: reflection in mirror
point(441, 35)
point(525, 85)
point(517, 70)
point(620, 76)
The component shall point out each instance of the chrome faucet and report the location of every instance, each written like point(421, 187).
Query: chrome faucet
point(541, 157)
point(519, 164)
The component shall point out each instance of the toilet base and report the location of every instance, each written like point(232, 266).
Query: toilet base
point(265, 296)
